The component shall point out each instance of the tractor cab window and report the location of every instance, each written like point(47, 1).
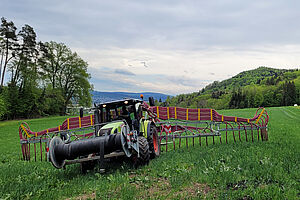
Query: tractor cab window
point(112, 114)
point(129, 114)
point(139, 111)
point(133, 117)
point(124, 111)
point(103, 115)
point(129, 111)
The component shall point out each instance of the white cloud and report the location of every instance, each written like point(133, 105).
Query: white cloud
point(186, 71)
point(124, 72)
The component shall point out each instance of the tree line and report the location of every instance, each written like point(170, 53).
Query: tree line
point(255, 96)
point(38, 78)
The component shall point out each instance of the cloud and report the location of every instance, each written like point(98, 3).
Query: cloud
point(167, 69)
point(124, 72)
point(160, 24)
point(185, 81)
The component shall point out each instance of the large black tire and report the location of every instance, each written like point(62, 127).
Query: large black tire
point(144, 153)
point(154, 144)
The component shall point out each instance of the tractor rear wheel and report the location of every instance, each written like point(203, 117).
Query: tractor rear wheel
point(143, 151)
point(154, 144)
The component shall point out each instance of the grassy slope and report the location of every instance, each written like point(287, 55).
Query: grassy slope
point(246, 78)
point(261, 170)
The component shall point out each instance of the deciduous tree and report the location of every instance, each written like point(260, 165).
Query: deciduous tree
point(67, 73)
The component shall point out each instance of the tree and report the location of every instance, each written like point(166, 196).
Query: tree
point(67, 74)
point(23, 86)
point(289, 93)
point(3, 107)
point(258, 99)
point(233, 100)
point(25, 64)
point(8, 45)
point(55, 56)
point(44, 78)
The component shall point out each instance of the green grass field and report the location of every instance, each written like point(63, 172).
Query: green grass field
point(242, 170)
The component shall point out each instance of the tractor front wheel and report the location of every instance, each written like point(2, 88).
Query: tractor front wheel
point(143, 151)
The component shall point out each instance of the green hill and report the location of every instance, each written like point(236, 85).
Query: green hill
point(263, 86)
point(247, 78)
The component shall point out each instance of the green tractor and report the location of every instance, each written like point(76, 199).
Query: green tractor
point(122, 128)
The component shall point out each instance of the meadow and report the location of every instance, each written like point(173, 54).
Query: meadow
point(242, 170)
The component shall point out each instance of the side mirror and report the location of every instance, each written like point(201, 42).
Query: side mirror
point(151, 101)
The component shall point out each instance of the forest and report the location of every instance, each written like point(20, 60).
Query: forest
point(264, 86)
point(38, 78)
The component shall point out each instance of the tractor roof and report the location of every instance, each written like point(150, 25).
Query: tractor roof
point(119, 103)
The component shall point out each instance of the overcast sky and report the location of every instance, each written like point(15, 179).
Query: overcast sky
point(168, 46)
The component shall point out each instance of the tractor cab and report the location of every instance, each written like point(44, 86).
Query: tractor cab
point(111, 116)
point(128, 110)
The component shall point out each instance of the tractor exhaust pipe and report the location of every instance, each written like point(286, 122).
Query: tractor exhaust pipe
point(59, 151)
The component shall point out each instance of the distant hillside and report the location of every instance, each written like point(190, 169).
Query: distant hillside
point(100, 97)
point(254, 76)
point(263, 86)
